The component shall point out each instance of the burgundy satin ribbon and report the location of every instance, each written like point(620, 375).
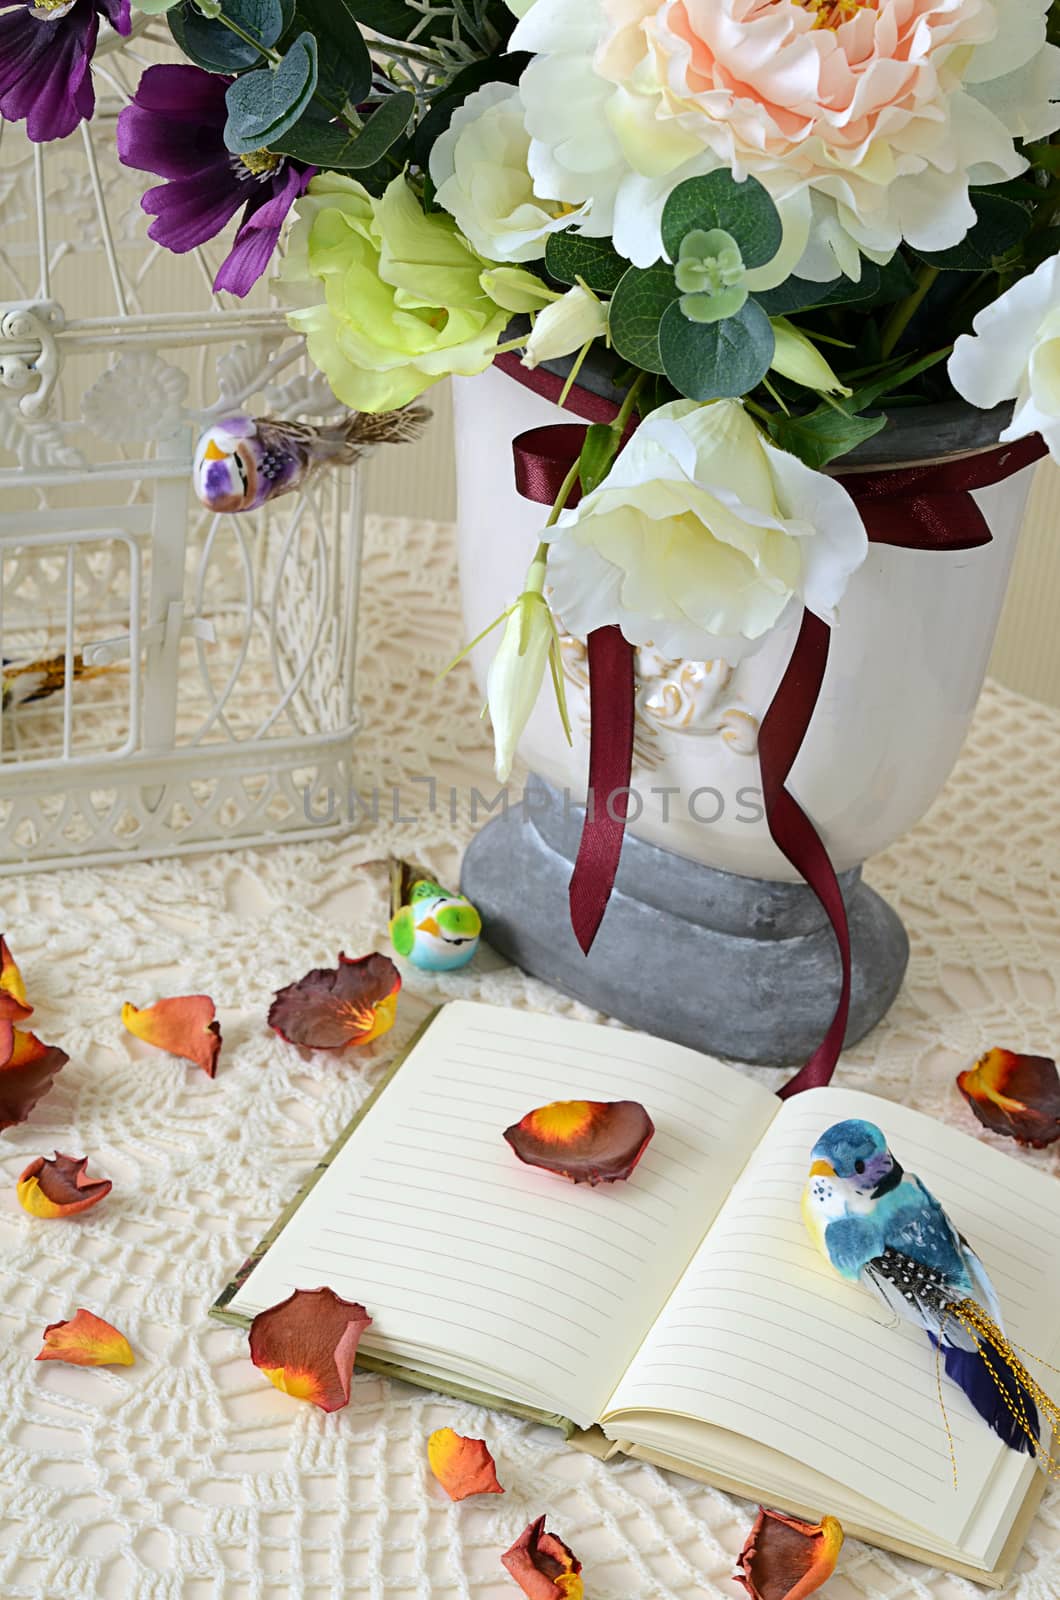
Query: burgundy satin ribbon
point(916, 508)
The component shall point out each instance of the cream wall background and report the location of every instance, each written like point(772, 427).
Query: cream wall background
point(419, 481)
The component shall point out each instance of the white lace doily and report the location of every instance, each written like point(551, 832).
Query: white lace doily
point(187, 1477)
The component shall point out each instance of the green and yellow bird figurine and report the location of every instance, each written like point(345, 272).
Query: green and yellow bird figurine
point(437, 931)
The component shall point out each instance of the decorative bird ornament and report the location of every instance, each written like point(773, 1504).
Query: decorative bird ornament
point(26, 682)
point(882, 1227)
point(437, 931)
point(243, 462)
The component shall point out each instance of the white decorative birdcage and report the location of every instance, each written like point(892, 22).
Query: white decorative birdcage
point(172, 678)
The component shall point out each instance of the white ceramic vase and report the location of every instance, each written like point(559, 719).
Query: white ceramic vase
point(906, 666)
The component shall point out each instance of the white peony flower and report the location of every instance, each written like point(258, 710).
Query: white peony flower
point(479, 171)
point(565, 326)
point(701, 536)
point(870, 118)
point(1014, 354)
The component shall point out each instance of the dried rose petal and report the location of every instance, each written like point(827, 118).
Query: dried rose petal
point(462, 1466)
point(86, 1341)
point(334, 1007)
point(26, 1075)
point(1015, 1095)
point(588, 1141)
point(787, 1559)
point(543, 1566)
point(14, 1007)
point(185, 1026)
point(59, 1188)
point(306, 1345)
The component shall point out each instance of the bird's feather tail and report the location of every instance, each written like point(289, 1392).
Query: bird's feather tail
point(1000, 1387)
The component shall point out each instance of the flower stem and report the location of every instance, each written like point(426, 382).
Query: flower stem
point(625, 410)
point(905, 310)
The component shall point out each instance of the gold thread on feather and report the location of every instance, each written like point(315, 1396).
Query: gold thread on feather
point(942, 1403)
point(985, 1332)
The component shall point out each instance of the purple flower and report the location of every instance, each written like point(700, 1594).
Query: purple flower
point(175, 128)
point(45, 59)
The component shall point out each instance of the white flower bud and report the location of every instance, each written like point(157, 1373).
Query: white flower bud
point(565, 326)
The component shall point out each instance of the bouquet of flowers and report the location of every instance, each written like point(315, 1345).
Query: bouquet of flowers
point(774, 221)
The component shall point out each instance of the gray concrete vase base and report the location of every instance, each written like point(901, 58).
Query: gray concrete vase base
point(732, 966)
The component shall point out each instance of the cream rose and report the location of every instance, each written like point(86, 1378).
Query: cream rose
point(1014, 354)
point(701, 536)
point(879, 115)
point(479, 172)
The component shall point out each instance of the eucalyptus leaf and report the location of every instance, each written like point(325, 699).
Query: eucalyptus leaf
point(716, 360)
point(570, 256)
point(637, 307)
point(210, 45)
point(262, 105)
point(716, 200)
point(382, 129)
point(822, 435)
point(1000, 225)
point(802, 294)
point(394, 19)
point(345, 64)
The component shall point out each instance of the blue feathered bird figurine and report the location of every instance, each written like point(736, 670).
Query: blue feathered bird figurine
point(882, 1227)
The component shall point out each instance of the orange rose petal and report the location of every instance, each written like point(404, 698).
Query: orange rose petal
point(1015, 1095)
point(306, 1345)
point(462, 1466)
point(59, 1188)
point(787, 1559)
point(185, 1026)
point(543, 1566)
point(588, 1141)
point(26, 1075)
point(86, 1341)
point(332, 1008)
point(14, 1007)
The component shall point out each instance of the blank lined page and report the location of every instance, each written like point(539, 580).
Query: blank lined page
point(474, 1264)
point(763, 1338)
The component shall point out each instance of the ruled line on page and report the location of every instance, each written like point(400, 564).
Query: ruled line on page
point(619, 1058)
point(563, 1072)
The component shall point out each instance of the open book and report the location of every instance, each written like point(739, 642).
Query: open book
point(684, 1312)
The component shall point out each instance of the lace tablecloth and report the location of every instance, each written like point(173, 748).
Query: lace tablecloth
point(187, 1475)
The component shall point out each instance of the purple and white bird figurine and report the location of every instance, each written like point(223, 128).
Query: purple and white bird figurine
point(243, 462)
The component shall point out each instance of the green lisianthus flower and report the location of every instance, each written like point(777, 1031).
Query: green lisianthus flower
point(390, 299)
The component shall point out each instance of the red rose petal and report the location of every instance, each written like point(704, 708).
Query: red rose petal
point(787, 1559)
point(26, 1075)
point(59, 1187)
point(332, 1008)
point(543, 1566)
point(184, 1026)
point(306, 1345)
point(588, 1141)
point(462, 1466)
point(1016, 1095)
point(14, 1007)
point(86, 1341)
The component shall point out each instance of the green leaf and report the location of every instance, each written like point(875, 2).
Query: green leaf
point(716, 200)
point(382, 129)
point(598, 452)
point(262, 105)
point(1000, 225)
point(802, 294)
point(154, 8)
point(821, 435)
point(716, 360)
point(637, 306)
point(394, 19)
point(896, 378)
point(211, 45)
point(345, 65)
point(570, 256)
